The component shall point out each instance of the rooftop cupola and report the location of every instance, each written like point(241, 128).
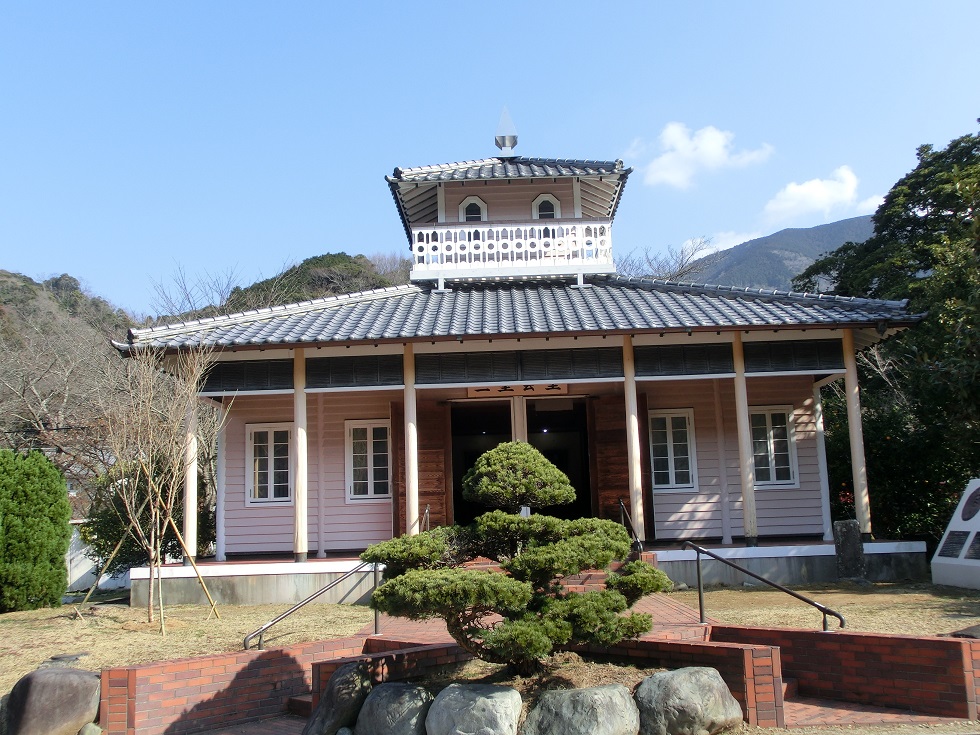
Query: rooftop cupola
point(509, 217)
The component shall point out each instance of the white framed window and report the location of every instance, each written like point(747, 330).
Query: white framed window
point(673, 459)
point(368, 461)
point(773, 445)
point(473, 209)
point(546, 206)
point(268, 464)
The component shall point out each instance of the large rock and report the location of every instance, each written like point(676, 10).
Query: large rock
point(53, 702)
point(394, 709)
point(691, 701)
point(341, 700)
point(474, 709)
point(606, 710)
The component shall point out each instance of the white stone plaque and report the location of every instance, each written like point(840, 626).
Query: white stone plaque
point(957, 560)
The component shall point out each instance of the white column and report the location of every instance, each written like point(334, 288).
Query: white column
point(746, 461)
point(855, 431)
point(321, 510)
point(726, 510)
point(219, 511)
point(828, 529)
point(633, 439)
point(301, 543)
point(190, 479)
point(411, 445)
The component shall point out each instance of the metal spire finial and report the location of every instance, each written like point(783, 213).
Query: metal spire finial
point(506, 138)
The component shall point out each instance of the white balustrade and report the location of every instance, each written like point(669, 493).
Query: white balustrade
point(476, 249)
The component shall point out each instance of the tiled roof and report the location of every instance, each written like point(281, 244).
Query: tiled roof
point(508, 168)
point(609, 304)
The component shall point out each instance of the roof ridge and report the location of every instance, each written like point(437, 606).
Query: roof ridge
point(615, 165)
point(298, 307)
point(723, 290)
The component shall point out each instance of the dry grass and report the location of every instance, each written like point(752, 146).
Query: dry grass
point(903, 609)
point(118, 635)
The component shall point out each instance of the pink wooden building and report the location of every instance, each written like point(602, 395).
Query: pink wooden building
point(352, 418)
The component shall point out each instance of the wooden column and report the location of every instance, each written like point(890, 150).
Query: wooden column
point(828, 529)
point(855, 431)
point(300, 485)
point(219, 511)
point(723, 499)
point(746, 460)
point(411, 445)
point(633, 439)
point(190, 480)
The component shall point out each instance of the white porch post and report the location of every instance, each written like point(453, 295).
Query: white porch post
point(828, 529)
point(219, 511)
point(300, 541)
point(190, 479)
point(726, 511)
point(746, 461)
point(411, 445)
point(633, 439)
point(855, 431)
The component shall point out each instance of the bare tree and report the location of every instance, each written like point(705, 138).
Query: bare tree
point(393, 266)
point(212, 294)
point(674, 264)
point(144, 426)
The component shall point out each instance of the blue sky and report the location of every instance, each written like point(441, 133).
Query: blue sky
point(141, 138)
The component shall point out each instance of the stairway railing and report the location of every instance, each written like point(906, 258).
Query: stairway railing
point(625, 520)
point(260, 632)
point(802, 598)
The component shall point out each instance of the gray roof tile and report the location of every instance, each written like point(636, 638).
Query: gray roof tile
point(608, 304)
point(517, 167)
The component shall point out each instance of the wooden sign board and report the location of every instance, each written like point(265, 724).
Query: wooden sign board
point(534, 390)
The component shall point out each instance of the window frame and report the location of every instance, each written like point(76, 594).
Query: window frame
point(545, 198)
point(794, 467)
point(484, 211)
point(370, 425)
point(250, 429)
point(674, 486)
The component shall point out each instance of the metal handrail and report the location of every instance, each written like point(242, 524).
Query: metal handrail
point(802, 598)
point(625, 520)
point(260, 632)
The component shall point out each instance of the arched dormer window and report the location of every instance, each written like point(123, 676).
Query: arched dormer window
point(545, 206)
point(473, 209)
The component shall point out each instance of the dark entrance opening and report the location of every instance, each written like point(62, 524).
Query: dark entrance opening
point(558, 428)
point(476, 428)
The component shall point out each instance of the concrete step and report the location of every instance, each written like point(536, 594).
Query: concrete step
point(301, 706)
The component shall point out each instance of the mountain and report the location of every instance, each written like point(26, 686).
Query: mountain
point(773, 261)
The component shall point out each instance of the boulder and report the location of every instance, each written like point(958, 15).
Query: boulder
point(394, 709)
point(55, 701)
point(690, 701)
point(605, 710)
point(90, 728)
point(341, 700)
point(474, 709)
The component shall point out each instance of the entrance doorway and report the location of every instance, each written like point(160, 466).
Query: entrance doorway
point(556, 427)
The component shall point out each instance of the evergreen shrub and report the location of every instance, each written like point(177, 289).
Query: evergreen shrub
point(34, 532)
point(425, 577)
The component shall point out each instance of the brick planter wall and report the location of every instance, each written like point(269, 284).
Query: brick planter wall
point(937, 676)
point(194, 694)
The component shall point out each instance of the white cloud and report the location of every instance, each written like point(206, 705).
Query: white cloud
point(816, 195)
point(727, 240)
point(685, 154)
point(870, 205)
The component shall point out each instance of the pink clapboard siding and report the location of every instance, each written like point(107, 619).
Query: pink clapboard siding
point(334, 523)
point(512, 202)
point(780, 511)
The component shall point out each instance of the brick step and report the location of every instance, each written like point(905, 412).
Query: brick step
point(301, 705)
point(790, 688)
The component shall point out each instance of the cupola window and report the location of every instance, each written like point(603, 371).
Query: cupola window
point(546, 207)
point(472, 209)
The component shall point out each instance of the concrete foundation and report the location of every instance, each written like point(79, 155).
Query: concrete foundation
point(239, 583)
point(795, 565)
